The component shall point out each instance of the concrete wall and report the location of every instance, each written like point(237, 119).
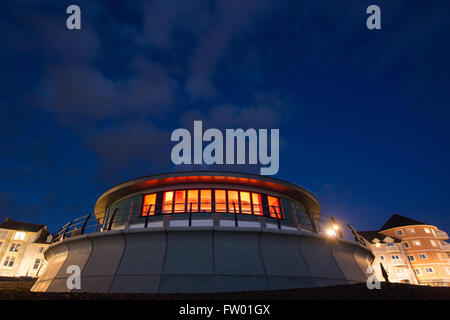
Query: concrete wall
point(203, 259)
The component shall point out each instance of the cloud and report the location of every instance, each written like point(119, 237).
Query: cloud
point(266, 111)
point(136, 143)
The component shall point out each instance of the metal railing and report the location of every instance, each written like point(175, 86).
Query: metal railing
point(269, 216)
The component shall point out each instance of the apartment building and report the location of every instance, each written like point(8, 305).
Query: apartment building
point(22, 247)
point(410, 251)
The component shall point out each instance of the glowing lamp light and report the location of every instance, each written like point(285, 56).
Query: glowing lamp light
point(335, 227)
point(331, 233)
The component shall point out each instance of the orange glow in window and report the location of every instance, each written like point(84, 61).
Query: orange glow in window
point(180, 200)
point(221, 201)
point(274, 206)
point(149, 203)
point(257, 207)
point(192, 201)
point(245, 202)
point(233, 200)
point(167, 202)
point(205, 200)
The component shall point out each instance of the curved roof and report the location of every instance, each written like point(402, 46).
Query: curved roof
point(216, 177)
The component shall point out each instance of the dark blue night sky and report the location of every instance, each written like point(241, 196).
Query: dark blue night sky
point(364, 115)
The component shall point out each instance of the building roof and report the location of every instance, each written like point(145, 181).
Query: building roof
point(371, 235)
point(21, 226)
point(400, 221)
point(42, 239)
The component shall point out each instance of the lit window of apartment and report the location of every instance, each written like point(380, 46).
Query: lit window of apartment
point(416, 243)
point(418, 271)
point(9, 261)
point(447, 269)
point(422, 256)
point(3, 234)
point(411, 258)
point(37, 262)
point(399, 232)
point(427, 230)
point(15, 247)
point(443, 256)
point(20, 235)
point(410, 230)
point(433, 243)
point(406, 244)
point(429, 270)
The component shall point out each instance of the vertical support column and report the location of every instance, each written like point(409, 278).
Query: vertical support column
point(130, 215)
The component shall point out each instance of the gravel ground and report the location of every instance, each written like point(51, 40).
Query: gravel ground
point(17, 290)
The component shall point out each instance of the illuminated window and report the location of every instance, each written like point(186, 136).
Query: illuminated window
point(410, 230)
point(433, 243)
point(427, 230)
point(221, 201)
point(233, 201)
point(149, 204)
point(257, 207)
point(180, 201)
point(19, 235)
point(167, 202)
point(274, 207)
point(192, 201)
point(416, 243)
point(205, 200)
point(246, 204)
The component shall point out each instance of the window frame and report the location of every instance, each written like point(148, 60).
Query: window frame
point(263, 205)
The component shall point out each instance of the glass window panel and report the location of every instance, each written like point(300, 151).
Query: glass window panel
point(257, 207)
point(205, 200)
point(167, 202)
point(245, 202)
point(180, 201)
point(221, 201)
point(274, 205)
point(149, 203)
point(192, 201)
point(233, 201)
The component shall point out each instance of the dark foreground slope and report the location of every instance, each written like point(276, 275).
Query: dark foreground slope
point(18, 290)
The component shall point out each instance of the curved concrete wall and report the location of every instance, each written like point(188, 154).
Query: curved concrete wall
point(203, 259)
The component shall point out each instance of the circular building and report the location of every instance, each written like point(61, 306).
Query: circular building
point(189, 232)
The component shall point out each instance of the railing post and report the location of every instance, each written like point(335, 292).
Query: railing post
point(85, 223)
point(112, 219)
point(276, 215)
point(235, 215)
point(148, 214)
point(190, 214)
point(65, 230)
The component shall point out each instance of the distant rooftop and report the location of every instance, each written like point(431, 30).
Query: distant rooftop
point(370, 235)
point(399, 221)
point(21, 226)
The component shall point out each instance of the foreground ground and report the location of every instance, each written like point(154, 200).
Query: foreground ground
point(19, 290)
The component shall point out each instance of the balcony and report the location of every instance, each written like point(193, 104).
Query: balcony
point(441, 235)
point(445, 246)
